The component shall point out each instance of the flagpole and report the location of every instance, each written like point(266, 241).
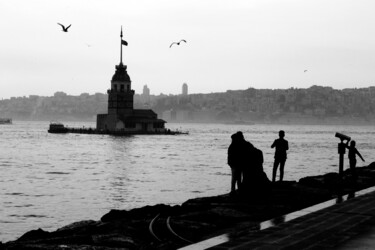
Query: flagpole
point(121, 46)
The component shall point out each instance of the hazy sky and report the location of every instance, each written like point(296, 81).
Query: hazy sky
point(230, 45)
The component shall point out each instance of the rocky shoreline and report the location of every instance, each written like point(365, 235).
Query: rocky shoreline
point(171, 227)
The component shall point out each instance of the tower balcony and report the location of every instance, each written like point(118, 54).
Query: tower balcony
point(110, 91)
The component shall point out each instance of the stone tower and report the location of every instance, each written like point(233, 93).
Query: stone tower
point(120, 96)
point(122, 118)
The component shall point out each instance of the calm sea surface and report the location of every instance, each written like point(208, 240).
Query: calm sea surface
point(50, 180)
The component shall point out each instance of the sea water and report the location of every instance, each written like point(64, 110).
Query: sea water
point(50, 180)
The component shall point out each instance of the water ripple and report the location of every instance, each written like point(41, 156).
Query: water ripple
point(57, 173)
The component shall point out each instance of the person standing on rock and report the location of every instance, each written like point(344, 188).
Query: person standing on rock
point(254, 181)
point(237, 159)
point(352, 158)
point(281, 146)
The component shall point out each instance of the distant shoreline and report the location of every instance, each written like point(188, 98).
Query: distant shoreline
point(289, 120)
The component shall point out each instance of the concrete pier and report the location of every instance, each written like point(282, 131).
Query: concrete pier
point(119, 132)
point(347, 222)
point(61, 129)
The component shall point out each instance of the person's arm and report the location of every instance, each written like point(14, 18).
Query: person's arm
point(287, 146)
point(273, 144)
point(359, 154)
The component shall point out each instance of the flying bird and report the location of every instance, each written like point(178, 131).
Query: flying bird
point(63, 27)
point(305, 71)
point(178, 43)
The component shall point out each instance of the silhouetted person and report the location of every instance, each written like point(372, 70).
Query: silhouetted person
point(352, 158)
point(248, 168)
point(254, 181)
point(237, 153)
point(281, 146)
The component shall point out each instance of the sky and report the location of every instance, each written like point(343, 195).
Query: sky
point(231, 45)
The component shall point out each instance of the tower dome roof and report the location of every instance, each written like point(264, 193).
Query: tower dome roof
point(121, 75)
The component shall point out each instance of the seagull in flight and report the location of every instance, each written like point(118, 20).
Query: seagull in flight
point(63, 27)
point(178, 43)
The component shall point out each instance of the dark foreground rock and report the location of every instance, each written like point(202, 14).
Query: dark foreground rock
point(171, 227)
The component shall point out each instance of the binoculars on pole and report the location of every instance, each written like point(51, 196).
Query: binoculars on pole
point(342, 137)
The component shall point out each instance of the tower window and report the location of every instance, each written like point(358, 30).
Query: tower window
point(122, 87)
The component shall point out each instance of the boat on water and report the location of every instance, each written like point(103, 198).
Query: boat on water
point(5, 121)
point(57, 128)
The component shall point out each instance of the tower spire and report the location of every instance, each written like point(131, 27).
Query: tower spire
point(121, 46)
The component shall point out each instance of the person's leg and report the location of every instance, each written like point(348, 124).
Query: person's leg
point(282, 164)
point(275, 164)
point(238, 178)
point(233, 181)
point(352, 164)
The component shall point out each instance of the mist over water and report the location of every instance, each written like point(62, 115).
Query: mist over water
point(50, 180)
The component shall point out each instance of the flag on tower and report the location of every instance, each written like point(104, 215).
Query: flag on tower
point(123, 42)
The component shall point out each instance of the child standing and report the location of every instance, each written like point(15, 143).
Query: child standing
point(352, 158)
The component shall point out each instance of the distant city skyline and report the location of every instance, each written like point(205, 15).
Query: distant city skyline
point(229, 45)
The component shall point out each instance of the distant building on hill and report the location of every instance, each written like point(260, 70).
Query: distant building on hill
point(184, 89)
point(121, 114)
point(145, 97)
point(146, 91)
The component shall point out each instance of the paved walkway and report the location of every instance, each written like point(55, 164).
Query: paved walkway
point(345, 223)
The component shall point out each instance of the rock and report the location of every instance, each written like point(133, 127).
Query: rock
point(78, 227)
point(137, 212)
point(34, 234)
point(114, 240)
point(313, 181)
point(115, 214)
point(372, 165)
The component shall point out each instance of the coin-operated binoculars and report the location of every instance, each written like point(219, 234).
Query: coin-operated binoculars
point(341, 151)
